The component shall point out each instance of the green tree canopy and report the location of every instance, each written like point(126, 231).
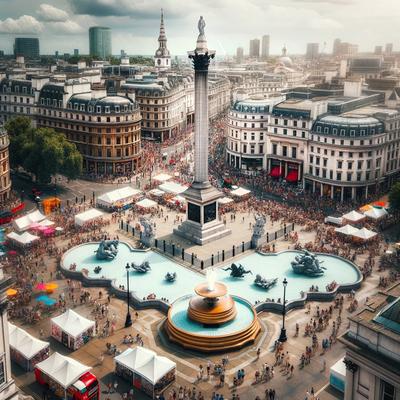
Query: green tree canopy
point(394, 197)
point(42, 152)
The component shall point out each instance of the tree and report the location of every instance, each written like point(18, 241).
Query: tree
point(43, 152)
point(394, 197)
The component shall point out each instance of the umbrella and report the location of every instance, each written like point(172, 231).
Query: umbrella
point(46, 300)
point(11, 292)
point(41, 286)
point(380, 204)
point(12, 253)
point(51, 285)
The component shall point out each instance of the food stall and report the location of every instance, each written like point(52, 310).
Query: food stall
point(172, 187)
point(240, 193)
point(146, 370)
point(88, 216)
point(22, 240)
point(25, 349)
point(146, 204)
point(23, 223)
point(67, 378)
point(353, 217)
point(50, 204)
point(71, 329)
point(118, 199)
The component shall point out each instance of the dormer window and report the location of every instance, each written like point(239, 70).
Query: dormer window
point(117, 109)
point(82, 107)
point(16, 89)
point(54, 102)
point(352, 132)
point(75, 106)
point(23, 89)
point(342, 132)
point(125, 108)
point(334, 131)
point(318, 129)
point(107, 109)
point(48, 102)
point(98, 109)
point(42, 101)
point(90, 108)
point(326, 130)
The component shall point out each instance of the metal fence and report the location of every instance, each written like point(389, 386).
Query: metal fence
point(176, 251)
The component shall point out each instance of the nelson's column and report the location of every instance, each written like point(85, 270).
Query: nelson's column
point(202, 223)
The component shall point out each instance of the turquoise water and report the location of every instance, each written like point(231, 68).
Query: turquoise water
point(2, 239)
point(274, 266)
point(179, 318)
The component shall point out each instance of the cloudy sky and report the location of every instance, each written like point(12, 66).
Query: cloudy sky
point(63, 24)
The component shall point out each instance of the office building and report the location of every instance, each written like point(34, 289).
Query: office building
point(389, 49)
point(312, 52)
point(378, 50)
point(162, 57)
point(372, 343)
point(336, 47)
point(254, 51)
point(76, 52)
point(239, 55)
point(265, 47)
point(100, 42)
point(27, 47)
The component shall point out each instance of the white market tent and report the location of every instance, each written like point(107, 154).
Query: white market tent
point(156, 192)
point(71, 329)
point(364, 234)
point(24, 239)
point(172, 187)
point(179, 199)
point(333, 220)
point(123, 195)
point(146, 203)
point(26, 345)
point(376, 213)
point(64, 370)
point(225, 200)
point(353, 216)
point(347, 230)
point(46, 222)
point(240, 192)
point(155, 368)
point(23, 223)
point(134, 358)
point(73, 323)
point(87, 216)
point(162, 177)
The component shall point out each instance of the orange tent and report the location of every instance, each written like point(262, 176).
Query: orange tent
point(50, 204)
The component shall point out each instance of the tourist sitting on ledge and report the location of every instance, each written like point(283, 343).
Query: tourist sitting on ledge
point(331, 286)
point(72, 267)
point(151, 296)
point(128, 339)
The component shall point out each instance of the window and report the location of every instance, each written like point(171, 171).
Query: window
point(311, 159)
point(325, 162)
point(303, 124)
point(294, 123)
point(284, 151)
point(261, 148)
point(338, 176)
point(340, 153)
point(2, 372)
point(294, 152)
point(349, 165)
point(285, 131)
point(285, 122)
point(349, 175)
point(274, 148)
point(339, 164)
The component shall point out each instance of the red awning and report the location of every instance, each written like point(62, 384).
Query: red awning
point(292, 176)
point(275, 172)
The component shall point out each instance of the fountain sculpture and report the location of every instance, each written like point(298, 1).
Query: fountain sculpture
point(170, 276)
point(237, 271)
point(107, 250)
point(143, 267)
point(308, 264)
point(265, 283)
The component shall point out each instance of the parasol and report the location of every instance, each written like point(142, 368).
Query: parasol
point(12, 253)
point(46, 300)
point(11, 292)
point(41, 286)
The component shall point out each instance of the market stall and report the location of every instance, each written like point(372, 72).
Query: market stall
point(67, 378)
point(353, 217)
point(334, 220)
point(26, 350)
point(50, 204)
point(118, 198)
point(88, 216)
point(172, 187)
point(22, 240)
point(23, 223)
point(146, 204)
point(146, 370)
point(364, 234)
point(376, 213)
point(71, 329)
point(347, 230)
point(162, 178)
point(156, 193)
point(240, 193)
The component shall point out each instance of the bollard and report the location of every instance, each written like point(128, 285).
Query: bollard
point(242, 247)
point(284, 230)
point(233, 251)
point(164, 246)
point(202, 264)
point(183, 254)
point(155, 242)
point(173, 250)
point(276, 235)
point(133, 231)
point(212, 259)
point(192, 258)
point(267, 237)
point(292, 226)
point(223, 255)
point(127, 227)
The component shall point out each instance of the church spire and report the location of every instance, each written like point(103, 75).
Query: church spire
point(162, 56)
point(162, 38)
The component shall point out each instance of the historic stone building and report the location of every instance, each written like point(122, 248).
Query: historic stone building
point(5, 180)
point(105, 129)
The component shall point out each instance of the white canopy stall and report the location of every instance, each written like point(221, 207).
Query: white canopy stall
point(118, 198)
point(162, 178)
point(145, 369)
point(347, 230)
point(25, 239)
point(156, 192)
point(240, 192)
point(71, 329)
point(23, 223)
point(87, 216)
point(25, 349)
point(364, 234)
point(146, 203)
point(172, 187)
point(353, 217)
point(376, 213)
point(225, 200)
point(60, 372)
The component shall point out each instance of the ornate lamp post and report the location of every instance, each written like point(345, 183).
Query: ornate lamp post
point(282, 336)
point(128, 320)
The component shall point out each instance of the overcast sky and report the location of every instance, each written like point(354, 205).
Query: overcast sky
point(63, 24)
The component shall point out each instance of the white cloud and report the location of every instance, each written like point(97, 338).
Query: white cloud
point(68, 27)
point(47, 12)
point(23, 24)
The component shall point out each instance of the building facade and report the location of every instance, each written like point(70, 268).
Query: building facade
point(162, 57)
point(373, 349)
point(239, 55)
point(265, 47)
point(5, 180)
point(100, 42)
point(27, 47)
point(312, 51)
point(254, 50)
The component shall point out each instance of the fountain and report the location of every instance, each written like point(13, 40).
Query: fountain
point(210, 323)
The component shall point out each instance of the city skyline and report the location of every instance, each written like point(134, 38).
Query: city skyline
point(135, 25)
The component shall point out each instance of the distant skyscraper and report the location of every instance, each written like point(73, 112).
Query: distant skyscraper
point(123, 53)
point(239, 55)
point(254, 50)
point(378, 50)
point(27, 47)
point(312, 51)
point(336, 47)
point(389, 49)
point(56, 53)
point(162, 57)
point(265, 46)
point(100, 42)
point(1, 53)
point(76, 52)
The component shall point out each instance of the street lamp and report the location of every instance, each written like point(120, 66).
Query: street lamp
point(128, 320)
point(282, 336)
